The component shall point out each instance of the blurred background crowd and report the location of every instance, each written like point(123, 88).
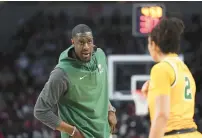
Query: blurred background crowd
point(30, 52)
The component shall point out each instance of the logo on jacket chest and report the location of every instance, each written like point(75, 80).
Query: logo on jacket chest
point(100, 68)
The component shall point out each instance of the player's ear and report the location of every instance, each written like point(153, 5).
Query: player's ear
point(156, 48)
point(153, 45)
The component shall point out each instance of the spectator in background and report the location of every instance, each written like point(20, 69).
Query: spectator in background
point(193, 33)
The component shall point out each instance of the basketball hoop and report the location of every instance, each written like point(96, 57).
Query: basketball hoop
point(141, 106)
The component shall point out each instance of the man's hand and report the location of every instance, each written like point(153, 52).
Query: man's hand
point(69, 129)
point(145, 88)
point(77, 134)
point(112, 121)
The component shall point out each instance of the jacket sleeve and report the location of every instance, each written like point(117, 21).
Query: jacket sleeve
point(45, 108)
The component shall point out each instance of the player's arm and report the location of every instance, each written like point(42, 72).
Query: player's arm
point(161, 87)
point(46, 103)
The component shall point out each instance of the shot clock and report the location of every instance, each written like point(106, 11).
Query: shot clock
point(145, 17)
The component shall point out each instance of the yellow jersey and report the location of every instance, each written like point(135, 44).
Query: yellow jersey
point(173, 78)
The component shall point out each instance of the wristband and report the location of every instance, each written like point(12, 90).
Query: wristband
point(112, 109)
point(74, 130)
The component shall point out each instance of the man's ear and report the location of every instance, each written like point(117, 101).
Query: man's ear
point(72, 41)
point(95, 48)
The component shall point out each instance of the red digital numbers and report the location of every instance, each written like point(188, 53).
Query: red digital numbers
point(147, 23)
point(149, 18)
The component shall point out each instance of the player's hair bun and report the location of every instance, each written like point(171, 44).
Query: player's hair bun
point(179, 25)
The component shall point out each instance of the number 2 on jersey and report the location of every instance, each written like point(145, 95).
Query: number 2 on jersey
point(187, 91)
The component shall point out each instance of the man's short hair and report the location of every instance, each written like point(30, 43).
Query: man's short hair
point(81, 28)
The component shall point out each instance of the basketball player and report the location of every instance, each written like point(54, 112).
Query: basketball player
point(171, 89)
point(78, 88)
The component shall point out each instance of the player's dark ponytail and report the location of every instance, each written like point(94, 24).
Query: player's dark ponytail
point(179, 25)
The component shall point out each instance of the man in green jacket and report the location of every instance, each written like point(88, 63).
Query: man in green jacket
point(77, 87)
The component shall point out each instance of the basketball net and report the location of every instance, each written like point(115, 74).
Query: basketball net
point(141, 106)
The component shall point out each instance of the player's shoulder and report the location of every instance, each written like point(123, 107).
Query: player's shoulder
point(161, 67)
